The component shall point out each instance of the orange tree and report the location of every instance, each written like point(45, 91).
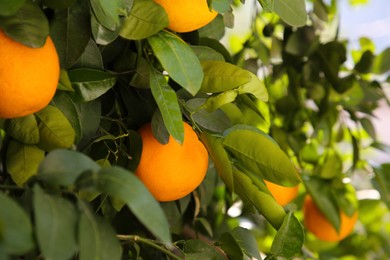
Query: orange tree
point(284, 107)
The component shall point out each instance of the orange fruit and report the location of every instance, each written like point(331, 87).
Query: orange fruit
point(187, 15)
point(283, 195)
point(171, 171)
point(28, 77)
point(320, 226)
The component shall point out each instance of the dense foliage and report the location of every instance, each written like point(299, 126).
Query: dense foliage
point(292, 105)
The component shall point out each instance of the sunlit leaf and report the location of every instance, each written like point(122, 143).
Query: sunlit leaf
point(107, 12)
point(16, 234)
point(23, 161)
point(178, 59)
point(56, 222)
point(292, 12)
point(145, 19)
point(55, 131)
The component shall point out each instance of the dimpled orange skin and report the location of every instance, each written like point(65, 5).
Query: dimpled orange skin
point(317, 224)
point(283, 195)
point(28, 77)
point(187, 15)
point(172, 171)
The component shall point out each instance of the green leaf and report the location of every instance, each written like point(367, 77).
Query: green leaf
point(382, 182)
point(198, 249)
point(28, 25)
point(16, 234)
point(167, 102)
point(246, 242)
point(215, 102)
point(292, 12)
point(220, 158)
point(260, 154)
point(125, 186)
point(178, 59)
point(107, 13)
point(64, 83)
point(145, 19)
point(250, 191)
point(55, 131)
point(382, 62)
point(216, 121)
point(24, 129)
point(101, 34)
point(221, 6)
point(70, 30)
point(289, 239)
point(91, 57)
point(23, 161)
point(89, 84)
point(255, 87)
point(10, 7)
point(368, 126)
point(206, 53)
point(231, 247)
point(62, 167)
point(56, 225)
point(221, 76)
point(96, 237)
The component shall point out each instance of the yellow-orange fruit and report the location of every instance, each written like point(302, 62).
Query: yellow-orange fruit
point(320, 226)
point(171, 171)
point(28, 77)
point(283, 195)
point(187, 15)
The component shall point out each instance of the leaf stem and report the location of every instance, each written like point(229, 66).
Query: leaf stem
point(148, 242)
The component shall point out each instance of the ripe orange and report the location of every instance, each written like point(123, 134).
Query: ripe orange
point(187, 15)
point(28, 77)
point(283, 195)
point(171, 171)
point(317, 223)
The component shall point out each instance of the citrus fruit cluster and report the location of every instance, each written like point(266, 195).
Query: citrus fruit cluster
point(28, 77)
point(171, 171)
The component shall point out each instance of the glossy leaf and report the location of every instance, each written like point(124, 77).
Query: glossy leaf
point(260, 155)
point(178, 59)
point(254, 87)
point(122, 184)
point(221, 76)
point(24, 129)
point(168, 104)
point(145, 19)
point(10, 7)
point(245, 240)
point(56, 224)
point(70, 30)
point(249, 191)
point(55, 131)
point(89, 84)
point(28, 25)
point(96, 237)
point(292, 12)
point(215, 102)
point(62, 167)
point(23, 161)
point(220, 158)
point(16, 233)
point(107, 12)
point(101, 34)
point(289, 238)
point(91, 57)
point(206, 53)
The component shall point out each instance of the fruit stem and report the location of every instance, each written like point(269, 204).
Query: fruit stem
point(151, 243)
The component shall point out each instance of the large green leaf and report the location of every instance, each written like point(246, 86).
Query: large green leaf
point(96, 237)
point(107, 12)
point(24, 129)
point(242, 240)
point(254, 87)
point(91, 57)
point(63, 167)
point(10, 7)
point(382, 182)
point(55, 131)
point(178, 59)
point(90, 83)
point(16, 234)
point(167, 102)
point(145, 19)
point(28, 25)
point(125, 186)
point(23, 161)
point(55, 225)
point(260, 154)
point(70, 30)
point(289, 239)
point(221, 76)
point(101, 34)
point(249, 190)
point(382, 62)
point(220, 158)
point(292, 12)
